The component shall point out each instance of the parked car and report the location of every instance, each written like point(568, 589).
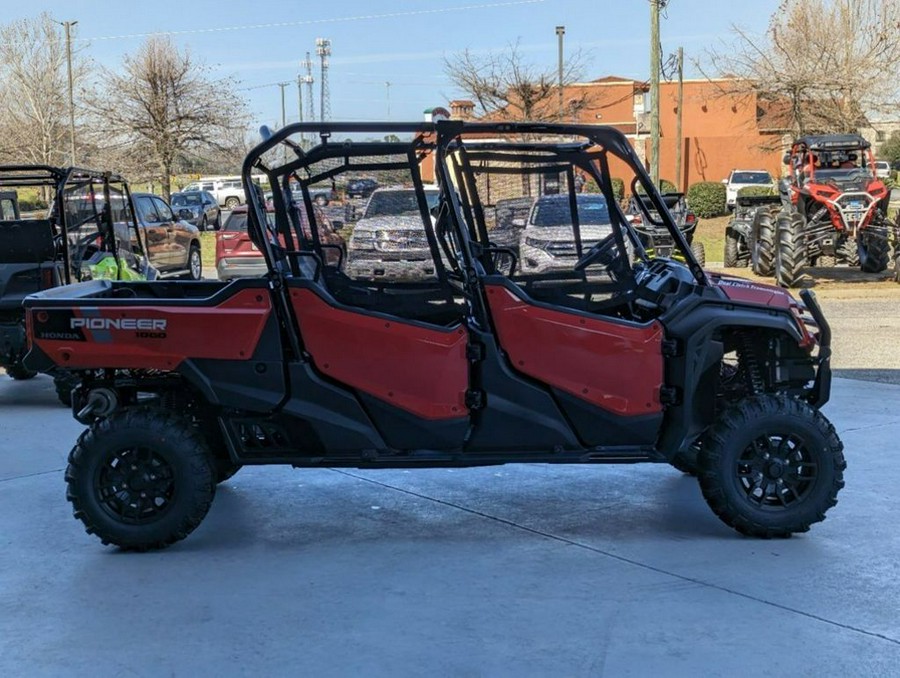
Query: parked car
point(9, 205)
point(882, 169)
point(173, 245)
point(389, 241)
point(237, 256)
point(739, 179)
point(361, 188)
point(548, 243)
point(229, 193)
point(199, 208)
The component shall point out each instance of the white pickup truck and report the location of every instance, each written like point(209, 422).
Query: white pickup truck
point(228, 192)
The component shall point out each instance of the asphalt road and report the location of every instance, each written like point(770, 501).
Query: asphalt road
point(505, 571)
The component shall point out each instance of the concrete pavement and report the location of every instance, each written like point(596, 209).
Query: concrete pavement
point(504, 571)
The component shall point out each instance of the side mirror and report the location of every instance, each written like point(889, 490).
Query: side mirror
point(184, 214)
point(336, 224)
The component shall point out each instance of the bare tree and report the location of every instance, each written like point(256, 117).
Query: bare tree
point(503, 85)
point(33, 102)
point(822, 64)
point(164, 108)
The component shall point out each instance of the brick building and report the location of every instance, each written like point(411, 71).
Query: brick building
point(721, 131)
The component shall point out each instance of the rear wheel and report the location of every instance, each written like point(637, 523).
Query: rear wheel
point(790, 249)
point(231, 203)
point(195, 263)
point(874, 253)
point(699, 252)
point(771, 466)
point(848, 253)
point(19, 372)
point(141, 479)
point(762, 244)
point(321, 200)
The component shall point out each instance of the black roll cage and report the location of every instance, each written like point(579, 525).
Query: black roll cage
point(444, 137)
point(60, 178)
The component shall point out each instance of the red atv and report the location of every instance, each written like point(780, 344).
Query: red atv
point(619, 358)
point(835, 210)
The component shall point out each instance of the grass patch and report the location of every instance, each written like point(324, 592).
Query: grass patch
point(208, 250)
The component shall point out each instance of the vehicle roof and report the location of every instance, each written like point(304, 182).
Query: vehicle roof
point(828, 142)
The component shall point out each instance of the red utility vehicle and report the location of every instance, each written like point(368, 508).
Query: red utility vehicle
point(621, 358)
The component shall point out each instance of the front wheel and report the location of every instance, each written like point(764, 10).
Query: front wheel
point(231, 203)
point(771, 466)
point(874, 253)
point(790, 248)
point(141, 479)
point(699, 252)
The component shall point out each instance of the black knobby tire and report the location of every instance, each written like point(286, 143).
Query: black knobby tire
point(771, 466)
point(762, 245)
point(203, 223)
point(733, 256)
point(699, 252)
point(897, 264)
point(848, 253)
point(141, 479)
point(19, 372)
point(826, 260)
point(686, 462)
point(790, 249)
point(875, 253)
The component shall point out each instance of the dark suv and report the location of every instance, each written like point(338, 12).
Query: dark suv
point(361, 188)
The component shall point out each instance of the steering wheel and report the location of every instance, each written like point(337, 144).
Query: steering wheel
point(604, 252)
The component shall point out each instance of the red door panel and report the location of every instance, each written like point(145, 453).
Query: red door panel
point(418, 369)
point(614, 366)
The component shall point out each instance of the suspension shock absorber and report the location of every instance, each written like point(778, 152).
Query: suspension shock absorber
point(752, 363)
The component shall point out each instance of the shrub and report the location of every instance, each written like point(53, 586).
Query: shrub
point(707, 199)
point(618, 186)
point(751, 191)
point(665, 186)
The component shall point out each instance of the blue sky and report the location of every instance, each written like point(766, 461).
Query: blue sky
point(406, 49)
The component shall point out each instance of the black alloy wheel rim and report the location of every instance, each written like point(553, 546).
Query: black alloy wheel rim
point(776, 472)
point(135, 486)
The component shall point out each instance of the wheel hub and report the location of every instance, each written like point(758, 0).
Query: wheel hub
point(775, 471)
point(135, 486)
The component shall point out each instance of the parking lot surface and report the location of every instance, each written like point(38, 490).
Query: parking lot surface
point(499, 571)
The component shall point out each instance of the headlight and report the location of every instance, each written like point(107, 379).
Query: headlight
point(537, 242)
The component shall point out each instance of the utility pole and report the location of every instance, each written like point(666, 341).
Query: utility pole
point(654, 88)
point(307, 80)
point(560, 32)
point(299, 98)
point(387, 86)
point(282, 85)
point(679, 170)
point(68, 25)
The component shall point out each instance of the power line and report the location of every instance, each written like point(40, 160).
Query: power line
point(312, 22)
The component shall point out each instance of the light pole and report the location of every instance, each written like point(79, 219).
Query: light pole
point(68, 26)
point(560, 32)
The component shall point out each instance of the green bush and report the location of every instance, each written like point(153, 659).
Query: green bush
point(707, 199)
point(665, 186)
point(618, 186)
point(751, 191)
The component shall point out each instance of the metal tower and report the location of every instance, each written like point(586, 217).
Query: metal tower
point(323, 50)
point(308, 80)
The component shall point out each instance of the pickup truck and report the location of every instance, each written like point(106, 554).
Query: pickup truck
point(228, 192)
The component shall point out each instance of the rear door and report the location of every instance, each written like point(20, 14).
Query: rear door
point(177, 238)
point(157, 237)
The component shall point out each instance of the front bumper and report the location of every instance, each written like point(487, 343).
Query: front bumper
point(821, 390)
point(367, 266)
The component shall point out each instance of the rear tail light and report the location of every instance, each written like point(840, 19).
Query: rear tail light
point(227, 235)
point(690, 219)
